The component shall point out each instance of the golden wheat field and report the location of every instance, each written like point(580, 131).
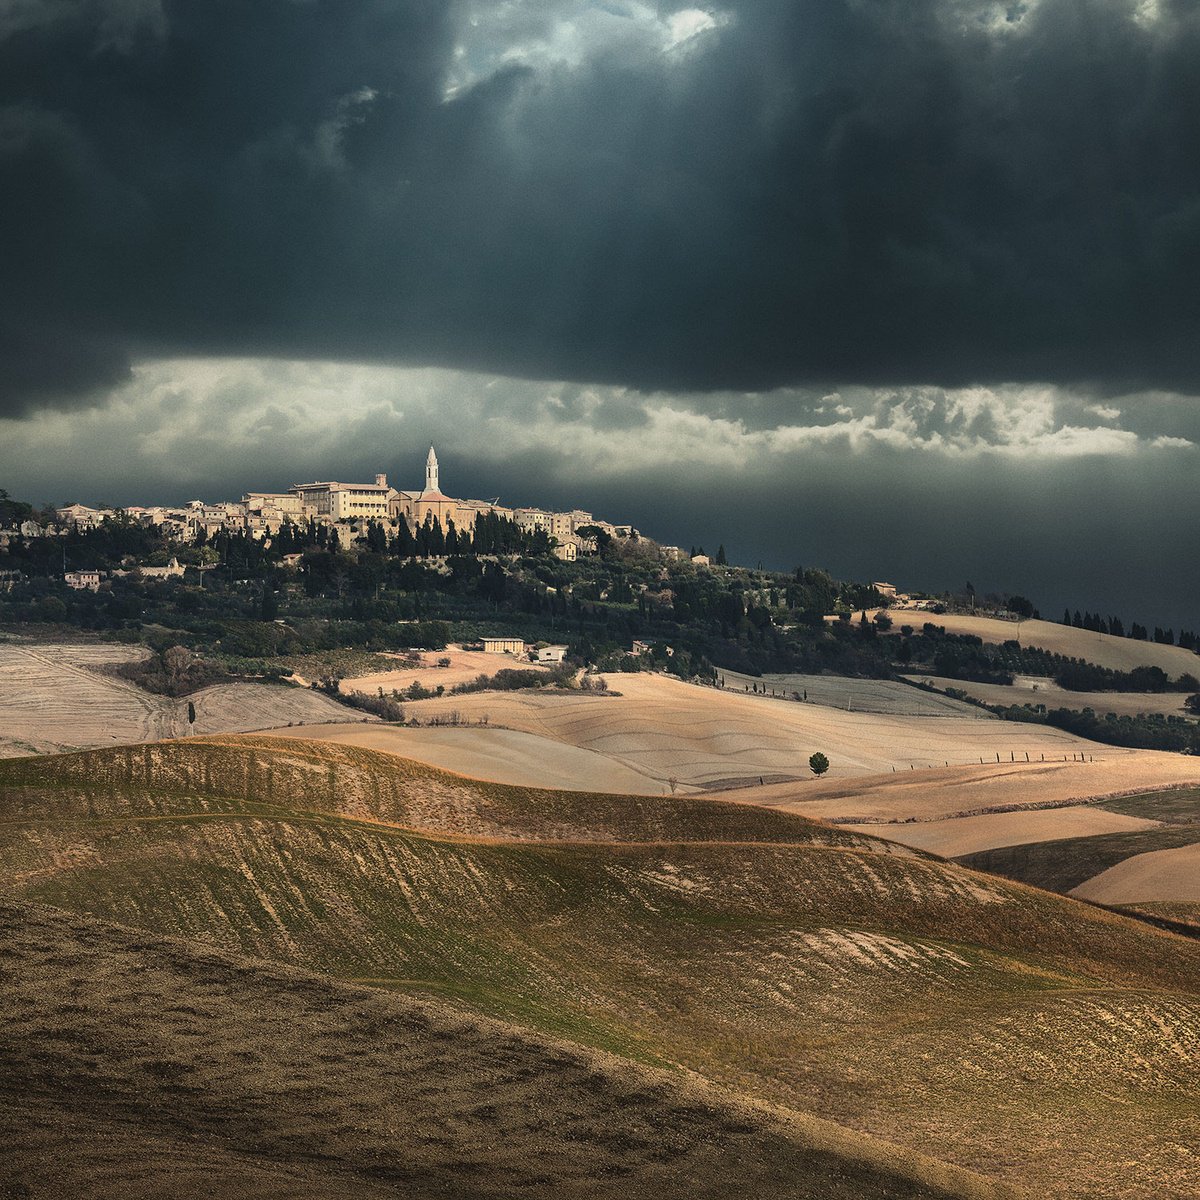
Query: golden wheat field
point(461, 666)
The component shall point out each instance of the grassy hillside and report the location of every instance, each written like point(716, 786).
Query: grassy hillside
point(138, 1066)
point(1003, 1029)
point(1182, 917)
point(267, 774)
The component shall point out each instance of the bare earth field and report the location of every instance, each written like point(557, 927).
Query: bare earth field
point(52, 699)
point(1151, 868)
point(1027, 689)
point(1168, 875)
point(1118, 654)
point(501, 755)
point(1159, 875)
point(965, 835)
point(465, 666)
point(857, 695)
point(661, 727)
point(969, 791)
point(769, 959)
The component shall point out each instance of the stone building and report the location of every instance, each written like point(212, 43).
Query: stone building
point(431, 503)
point(331, 501)
point(83, 580)
point(82, 517)
point(531, 520)
point(503, 645)
point(173, 570)
point(211, 519)
point(267, 512)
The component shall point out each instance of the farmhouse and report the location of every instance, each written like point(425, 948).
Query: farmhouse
point(83, 580)
point(503, 645)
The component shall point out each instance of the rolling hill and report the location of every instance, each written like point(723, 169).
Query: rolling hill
point(492, 752)
point(1102, 649)
point(1003, 1029)
point(1034, 690)
point(1046, 797)
point(852, 695)
point(138, 1066)
point(663, 728)
point(1151, 865)
point(57, 697)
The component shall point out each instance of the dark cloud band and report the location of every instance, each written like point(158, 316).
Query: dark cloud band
point(894, 192)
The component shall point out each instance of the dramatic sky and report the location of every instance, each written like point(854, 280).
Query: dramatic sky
point(908, 288)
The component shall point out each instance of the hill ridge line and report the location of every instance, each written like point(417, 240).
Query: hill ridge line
point(434, 835)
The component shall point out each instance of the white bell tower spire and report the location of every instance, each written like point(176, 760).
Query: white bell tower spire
point(431, 472)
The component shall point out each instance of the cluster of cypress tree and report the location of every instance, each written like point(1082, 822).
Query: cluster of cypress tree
point(1188, 639)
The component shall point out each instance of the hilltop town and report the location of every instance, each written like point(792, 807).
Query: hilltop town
point(347, 511)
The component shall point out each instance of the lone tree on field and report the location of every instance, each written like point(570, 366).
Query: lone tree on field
point(818, 763)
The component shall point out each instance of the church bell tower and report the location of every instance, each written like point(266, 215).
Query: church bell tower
point(431, 472)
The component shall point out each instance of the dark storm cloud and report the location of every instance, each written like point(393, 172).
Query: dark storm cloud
point(1094, 533)
point(868, 190)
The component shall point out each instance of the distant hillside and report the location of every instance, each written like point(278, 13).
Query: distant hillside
point(1003, 1029)
point(1102, 649)
point(58, 696)
point(664, 727)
